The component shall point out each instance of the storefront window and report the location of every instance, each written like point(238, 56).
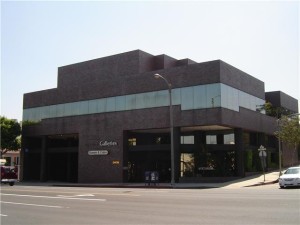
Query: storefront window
point(187, 140)
point(216, 164)
point(162, 140)
point(211, 139)
point(132, 141)
point(187, 165)
point(158, 140)
point(229, 139)
point(246, 138)
point(254, 139)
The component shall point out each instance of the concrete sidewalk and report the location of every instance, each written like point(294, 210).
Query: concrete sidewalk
point(255, 180)
point(249, 181)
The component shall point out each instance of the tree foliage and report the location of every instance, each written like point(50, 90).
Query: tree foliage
point(289, 130)
point(10, 135)
point(273, 111)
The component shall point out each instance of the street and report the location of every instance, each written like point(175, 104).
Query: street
point(266, 204)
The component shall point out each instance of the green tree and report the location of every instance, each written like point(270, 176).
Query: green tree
point(289, 131)
point(273, 111)
point(10, 135)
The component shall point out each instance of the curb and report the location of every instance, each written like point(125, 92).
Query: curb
point(263, 183)
point(134, 186)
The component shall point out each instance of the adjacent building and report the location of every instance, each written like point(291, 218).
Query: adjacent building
point(108, 121)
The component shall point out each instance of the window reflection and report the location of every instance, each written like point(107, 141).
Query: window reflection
point(211, 139)
point(93, 106)
point(162, 98)
point(199, 97)
point(187, 165)
point(229, 139)
point(187, 139)
point(195, 97)
point(132, 142)
point(120, 103)
point(110, 104)
point(130, 102)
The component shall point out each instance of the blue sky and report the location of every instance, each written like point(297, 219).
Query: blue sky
point(37, 37)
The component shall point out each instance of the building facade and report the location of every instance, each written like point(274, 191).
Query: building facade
point(108, 121)
point(11, 158)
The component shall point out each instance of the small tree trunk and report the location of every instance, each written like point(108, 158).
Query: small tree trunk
point(294, 154)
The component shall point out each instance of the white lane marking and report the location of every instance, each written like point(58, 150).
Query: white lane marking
point(118, 194)
point(38, 196)
point(58, 191)
point(71, 196)
point(2, 215)
point(48, 206)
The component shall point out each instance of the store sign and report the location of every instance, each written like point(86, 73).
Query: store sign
point(98, 152)
point(108, 143)
point(115, 162)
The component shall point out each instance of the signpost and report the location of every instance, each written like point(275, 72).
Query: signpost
point(263, 155)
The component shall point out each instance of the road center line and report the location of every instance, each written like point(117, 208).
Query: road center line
point(19, 203)
point(38, 196)
point(2, 215)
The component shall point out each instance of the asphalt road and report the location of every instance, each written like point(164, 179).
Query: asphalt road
point(71, 205)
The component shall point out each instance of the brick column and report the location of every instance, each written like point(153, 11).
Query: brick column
point(239, 149)
point(43, 172)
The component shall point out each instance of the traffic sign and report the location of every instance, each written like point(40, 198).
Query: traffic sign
point(262, 148)
point(262, 154)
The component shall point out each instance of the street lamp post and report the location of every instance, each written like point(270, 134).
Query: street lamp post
point(279, 147)
point(158, 76)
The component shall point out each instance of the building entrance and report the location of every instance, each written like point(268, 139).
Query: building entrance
point(62, 158)
point(51, 158)
point(62, 167)
point(140, 162)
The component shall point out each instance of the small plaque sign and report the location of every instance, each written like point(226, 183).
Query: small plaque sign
point(115, 162)
point(98, 152)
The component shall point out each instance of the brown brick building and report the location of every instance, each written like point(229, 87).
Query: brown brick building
point(108, 121)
